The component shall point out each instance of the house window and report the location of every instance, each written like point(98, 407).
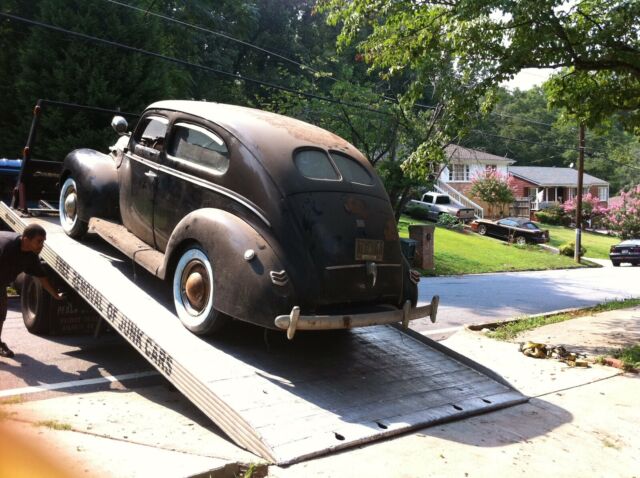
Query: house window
point(491, 168)
point(459, 172)
point(571, 193)
point(603, 193)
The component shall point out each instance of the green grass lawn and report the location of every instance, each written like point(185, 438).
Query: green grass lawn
point(597, 245)
point(457, 253)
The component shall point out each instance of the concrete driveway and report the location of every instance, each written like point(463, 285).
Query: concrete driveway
point(488, 297)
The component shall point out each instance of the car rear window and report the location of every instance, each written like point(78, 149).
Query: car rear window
point(315, 164)
point(200, 147)
point(351, 171)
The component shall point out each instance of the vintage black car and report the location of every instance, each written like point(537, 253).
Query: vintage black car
point(512, 229)
point(250, 215)
point(627, 251)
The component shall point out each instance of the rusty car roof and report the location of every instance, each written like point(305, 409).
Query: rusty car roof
point(261, 130)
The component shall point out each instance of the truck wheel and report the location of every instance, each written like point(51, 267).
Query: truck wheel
point(482, 230)
point(68, 207)
point(521, 240)
point(36, 306)
point(193, 293)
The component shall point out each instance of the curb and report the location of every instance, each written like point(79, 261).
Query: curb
point(488, 325)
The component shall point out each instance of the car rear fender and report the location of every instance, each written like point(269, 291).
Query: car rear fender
point(96, 180)
point(243, 283)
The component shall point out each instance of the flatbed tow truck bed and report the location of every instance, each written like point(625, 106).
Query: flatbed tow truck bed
point(283, 400)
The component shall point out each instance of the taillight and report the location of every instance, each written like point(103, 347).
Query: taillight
point(458, 213)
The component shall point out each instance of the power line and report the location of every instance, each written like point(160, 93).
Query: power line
point(302, 66)
point(189, 64)
point(259, 82)
point(215, 33)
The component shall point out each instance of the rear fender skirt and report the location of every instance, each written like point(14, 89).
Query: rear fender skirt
point(96, 179)
point(242, 262)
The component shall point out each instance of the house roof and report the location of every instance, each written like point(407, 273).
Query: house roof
point(461, 154)
point(550, 176)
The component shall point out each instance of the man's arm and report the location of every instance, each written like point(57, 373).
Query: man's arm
point(50, 289)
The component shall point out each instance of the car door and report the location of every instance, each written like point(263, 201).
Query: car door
point(138, 175)
point(431, 214)
point(196, 161)
point(503, 228)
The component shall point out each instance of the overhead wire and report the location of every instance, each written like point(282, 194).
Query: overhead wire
point(179, 61)
point(236, 76)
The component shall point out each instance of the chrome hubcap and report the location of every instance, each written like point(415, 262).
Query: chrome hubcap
point(70, 205)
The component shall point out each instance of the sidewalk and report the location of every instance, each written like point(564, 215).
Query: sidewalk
point(579, 422)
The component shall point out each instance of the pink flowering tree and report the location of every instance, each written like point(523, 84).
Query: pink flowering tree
point(624, 218)
point(494, 188)
point(592, 211)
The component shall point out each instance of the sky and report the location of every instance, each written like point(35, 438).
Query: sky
point(528, 78)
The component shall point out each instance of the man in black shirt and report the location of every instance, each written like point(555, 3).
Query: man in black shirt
point(19, 253)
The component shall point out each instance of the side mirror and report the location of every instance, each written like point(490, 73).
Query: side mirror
point(119, 124)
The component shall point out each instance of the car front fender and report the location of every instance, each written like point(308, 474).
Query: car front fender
point(96, 180)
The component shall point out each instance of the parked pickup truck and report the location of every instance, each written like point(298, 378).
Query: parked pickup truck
point(434, 204)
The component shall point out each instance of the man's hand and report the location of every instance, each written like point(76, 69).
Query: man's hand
point(51, 290)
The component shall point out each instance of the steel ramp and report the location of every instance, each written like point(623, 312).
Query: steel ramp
point(283, 400)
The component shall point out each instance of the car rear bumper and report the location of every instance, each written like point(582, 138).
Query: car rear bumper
point(618, 257)
point(294, 321)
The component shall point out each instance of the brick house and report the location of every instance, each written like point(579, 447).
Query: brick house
point(545, 185)
point(464, 165)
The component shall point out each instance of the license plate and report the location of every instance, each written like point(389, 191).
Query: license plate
point(625, 251)
point(369, 250)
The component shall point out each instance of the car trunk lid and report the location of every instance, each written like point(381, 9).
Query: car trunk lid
point(352, 241)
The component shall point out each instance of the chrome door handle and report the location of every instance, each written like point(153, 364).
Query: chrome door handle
point(151, 174)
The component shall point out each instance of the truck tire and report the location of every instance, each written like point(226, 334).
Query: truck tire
point(36, 306)
point(193, 293)
point(71, 224)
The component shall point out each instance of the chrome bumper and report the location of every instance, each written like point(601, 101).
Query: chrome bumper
point(294, 321)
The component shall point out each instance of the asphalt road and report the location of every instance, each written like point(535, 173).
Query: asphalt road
point(108, 362)
point(487, 297)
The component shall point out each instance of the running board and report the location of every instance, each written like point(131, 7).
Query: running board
point(126, 242)
point(283, 400)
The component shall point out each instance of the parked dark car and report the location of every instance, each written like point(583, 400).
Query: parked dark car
point(512, 229)
point(626, 251)
point(249, 215)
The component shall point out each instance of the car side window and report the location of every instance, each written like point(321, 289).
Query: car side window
point(507, 222)
point(151, 133)
point(315, 164)
point(200, 147)
point(351, 170)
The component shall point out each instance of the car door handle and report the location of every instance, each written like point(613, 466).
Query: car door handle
point(151, 175)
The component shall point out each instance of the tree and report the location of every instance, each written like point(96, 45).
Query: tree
point(592, 211)
point(458, 51)
point(625, 217)
point(494, 188)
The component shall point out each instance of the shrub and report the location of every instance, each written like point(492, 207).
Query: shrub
point(592, 211)
point(569, 249)
point(449, 221)
point(416, 211)
point(625, 217)
point(554, 214)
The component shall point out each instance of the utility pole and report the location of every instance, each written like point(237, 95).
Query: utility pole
point(576, 254)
